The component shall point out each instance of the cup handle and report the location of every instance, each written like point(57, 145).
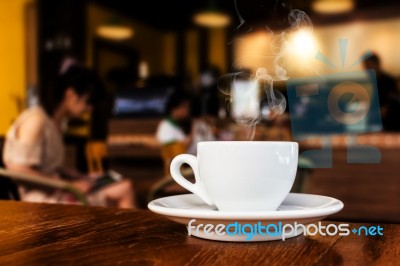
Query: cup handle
point(196, 188)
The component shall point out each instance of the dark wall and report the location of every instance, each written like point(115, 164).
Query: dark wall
point(61, 26)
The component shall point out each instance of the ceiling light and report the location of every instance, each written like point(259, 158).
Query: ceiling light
point(332, 6)
point(115, 30)
point(212, 19)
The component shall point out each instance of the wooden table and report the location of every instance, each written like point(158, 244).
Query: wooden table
point(44, 234)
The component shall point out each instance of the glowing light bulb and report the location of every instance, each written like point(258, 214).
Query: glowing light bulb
point(303, 44)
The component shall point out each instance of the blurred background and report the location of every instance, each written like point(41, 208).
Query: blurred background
point(144, 51)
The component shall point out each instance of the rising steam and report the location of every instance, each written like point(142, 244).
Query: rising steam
point(245, 91)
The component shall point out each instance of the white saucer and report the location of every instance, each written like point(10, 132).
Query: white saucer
point(301, 208)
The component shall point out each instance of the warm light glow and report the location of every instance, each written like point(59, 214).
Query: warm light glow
point(333, 6)
point(212, 19)
point(299, 53)
point(303, 44)
point(143, 70)
point(115, 32)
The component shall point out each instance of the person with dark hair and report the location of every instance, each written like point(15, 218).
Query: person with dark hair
point(387, 92)
point(34, 143)
point(170, 129)
point(90, 131)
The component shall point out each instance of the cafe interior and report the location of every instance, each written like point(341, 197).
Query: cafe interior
point(143, 53)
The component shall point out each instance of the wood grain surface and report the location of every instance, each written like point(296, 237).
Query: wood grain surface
point(44, 234)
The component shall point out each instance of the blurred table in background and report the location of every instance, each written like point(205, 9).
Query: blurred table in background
point(134, 145)
point(378, 140)
point(133, 138)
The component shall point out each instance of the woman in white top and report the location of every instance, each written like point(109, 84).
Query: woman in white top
point(169, 130)
point(34, 144)
point(170, 133)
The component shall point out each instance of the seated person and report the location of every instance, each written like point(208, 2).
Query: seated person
point(34, 144)
point(170, 133)
point(387, 92)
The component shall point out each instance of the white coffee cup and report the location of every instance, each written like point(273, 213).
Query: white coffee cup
point(240, 175)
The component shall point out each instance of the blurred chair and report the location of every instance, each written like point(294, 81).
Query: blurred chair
point(8, 188)
point(9, 180)
point(96, 153)
point(44, 182)
point(168, 152)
